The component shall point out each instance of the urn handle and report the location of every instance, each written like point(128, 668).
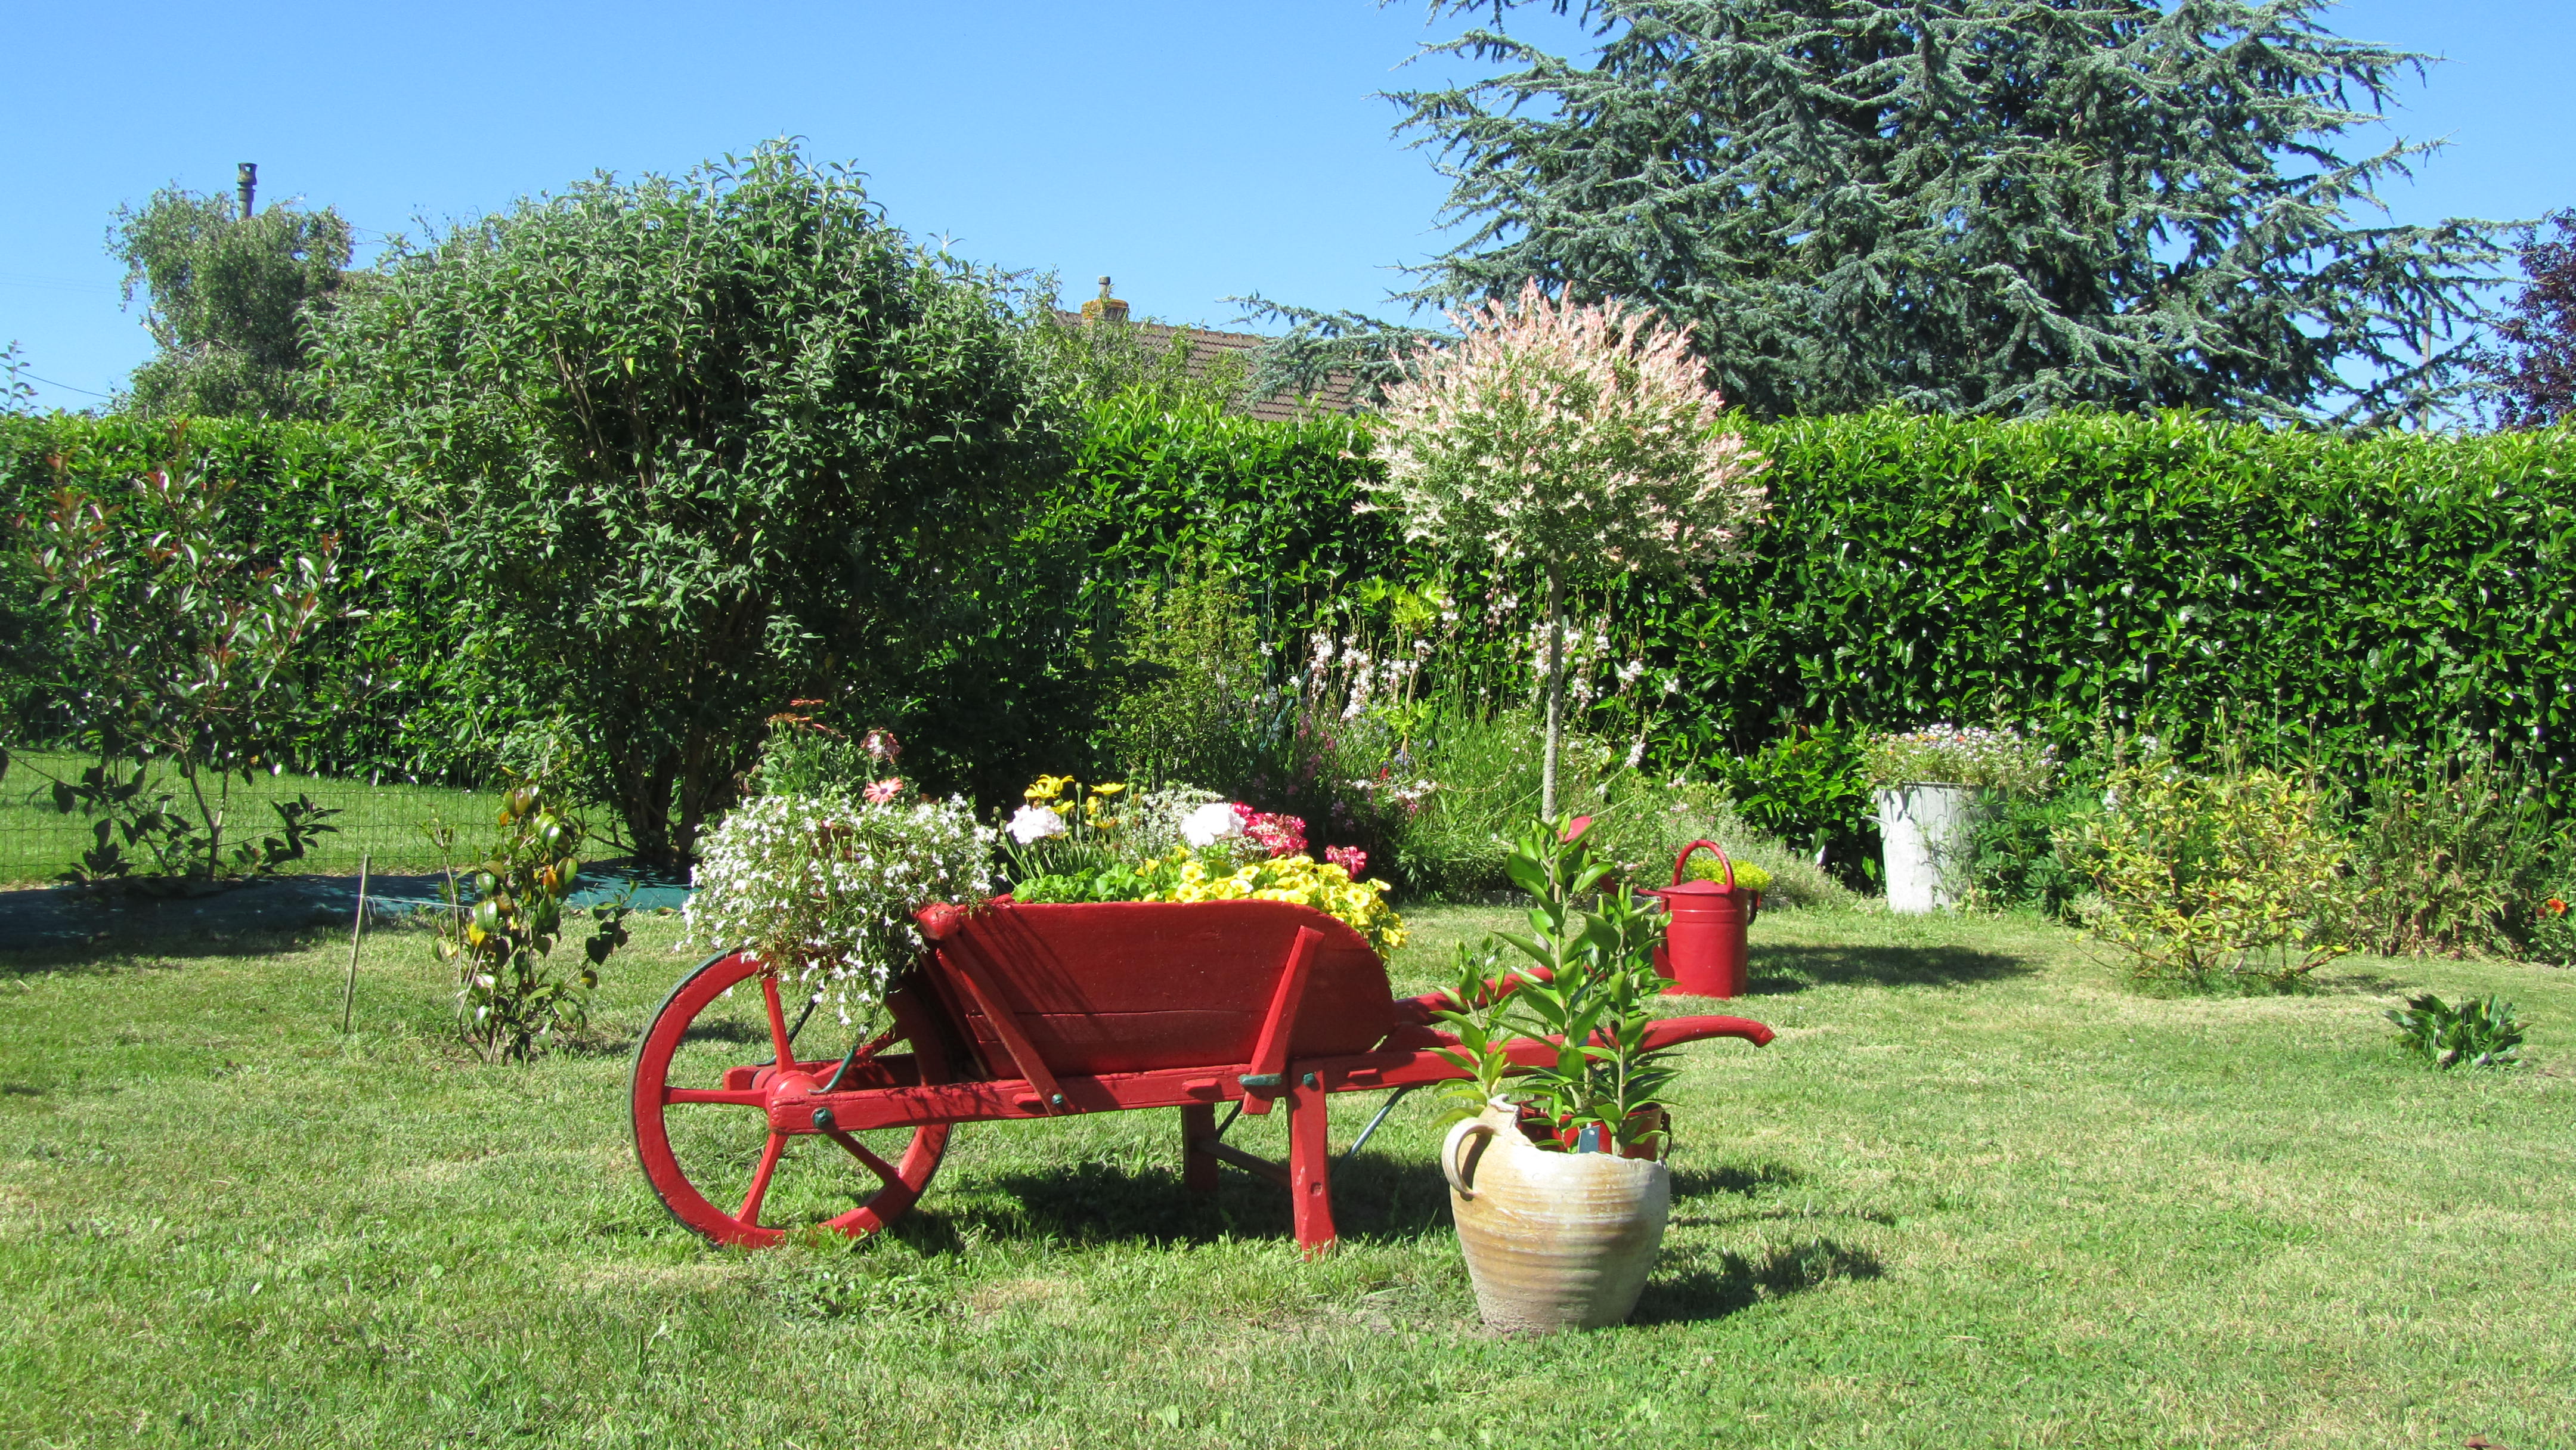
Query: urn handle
point(1458, 1135)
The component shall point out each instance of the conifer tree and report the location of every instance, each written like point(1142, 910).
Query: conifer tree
point(2003, 207)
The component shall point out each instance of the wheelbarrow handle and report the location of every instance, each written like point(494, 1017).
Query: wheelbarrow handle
point(1719, 851)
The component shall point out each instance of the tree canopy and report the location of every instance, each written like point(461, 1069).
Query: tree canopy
point(231, 303)
point(2532, 364)
point(2003, 207)
point(698, 446)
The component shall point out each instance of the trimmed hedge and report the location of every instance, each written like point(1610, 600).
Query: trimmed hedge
point(388, 695)
point(2148, 573)
point(2087, 571)
point(2135, 573)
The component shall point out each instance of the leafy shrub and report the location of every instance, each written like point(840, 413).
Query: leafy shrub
point(692, 446)
point(509, 995)
point(1811, 789)
point(1190, 703)
point(2236, 876)
point(2478, 1032)
point(2453, 859)
point(182, 647)
point(2017, 855)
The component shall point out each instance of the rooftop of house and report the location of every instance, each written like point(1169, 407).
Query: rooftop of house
point(1210, 350)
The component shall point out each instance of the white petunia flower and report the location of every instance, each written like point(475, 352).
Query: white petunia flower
point(1035, 823)
point(1210, 824)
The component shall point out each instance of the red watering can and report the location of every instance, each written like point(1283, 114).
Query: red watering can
point(1704, 922)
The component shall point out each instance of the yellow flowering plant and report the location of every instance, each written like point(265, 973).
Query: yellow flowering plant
point(1073, 845)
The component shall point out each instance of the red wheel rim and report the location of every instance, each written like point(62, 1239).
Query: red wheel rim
point(715, 1162)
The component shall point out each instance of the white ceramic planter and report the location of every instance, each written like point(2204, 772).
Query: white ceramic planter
point(1920, 828)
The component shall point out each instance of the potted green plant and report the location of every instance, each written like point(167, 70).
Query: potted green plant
point(1556, 1180)
point(1929, 785)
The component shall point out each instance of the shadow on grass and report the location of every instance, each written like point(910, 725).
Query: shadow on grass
point(1734, 1178)
point(1374, 1197)
point(1781, 969)
point(110, 952)
point(1715, 1286)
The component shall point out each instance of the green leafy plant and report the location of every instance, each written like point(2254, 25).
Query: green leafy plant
point(1809, 788)
point(1587, 984)
point(2203, 879)
point(2018, 853)
point(690, 446)
point(2476, 1032)
point(510, 996)
point(183, 652)
point(2453, 857)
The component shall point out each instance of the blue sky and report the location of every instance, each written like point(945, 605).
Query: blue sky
point(1193, 151)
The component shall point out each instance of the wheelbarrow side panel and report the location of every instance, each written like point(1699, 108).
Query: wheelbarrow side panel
point(1123, 987)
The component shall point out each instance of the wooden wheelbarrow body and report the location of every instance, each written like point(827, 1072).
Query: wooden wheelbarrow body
point(1034, 1011)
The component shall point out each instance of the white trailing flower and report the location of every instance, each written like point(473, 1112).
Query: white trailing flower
point(1032, 824)
point(1210, 824)
point(822, 888)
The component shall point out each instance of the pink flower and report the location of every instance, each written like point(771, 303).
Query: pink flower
point(879, 792)
point(1351, 859)
point(881, 744)
point(1275, 834)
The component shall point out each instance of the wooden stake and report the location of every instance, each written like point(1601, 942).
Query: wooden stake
point(357, 931)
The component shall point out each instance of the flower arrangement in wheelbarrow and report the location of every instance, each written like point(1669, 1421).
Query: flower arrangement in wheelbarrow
point(1218, 850)
point(820, 884)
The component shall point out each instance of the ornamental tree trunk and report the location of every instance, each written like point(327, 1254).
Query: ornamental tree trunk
point(1555, 690)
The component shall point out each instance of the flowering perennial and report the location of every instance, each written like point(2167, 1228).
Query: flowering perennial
point(1323, 885)
point(822, 887)
point(2000, 759)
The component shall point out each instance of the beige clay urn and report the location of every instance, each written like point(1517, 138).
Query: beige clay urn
point(1553, 1240)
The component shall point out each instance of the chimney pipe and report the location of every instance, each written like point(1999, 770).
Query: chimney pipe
point(249, 175)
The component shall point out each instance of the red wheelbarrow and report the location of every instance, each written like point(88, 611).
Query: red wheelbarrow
point(1037, 1011)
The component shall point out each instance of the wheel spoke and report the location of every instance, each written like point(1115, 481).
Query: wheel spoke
point(859, 1150)
point(760, 1177)
point(786, 1051)
point(742, 1098)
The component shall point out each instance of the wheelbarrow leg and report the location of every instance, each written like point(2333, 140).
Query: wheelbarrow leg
point(1198, 1166)
point(1310, 1163)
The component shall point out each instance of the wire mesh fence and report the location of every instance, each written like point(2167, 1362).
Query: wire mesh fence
point(390, 822)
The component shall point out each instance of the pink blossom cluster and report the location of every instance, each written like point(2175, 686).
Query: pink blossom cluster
point(1276, 834)
point(1554, 430)
point(1351, 859)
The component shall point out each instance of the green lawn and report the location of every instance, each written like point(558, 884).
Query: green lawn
point(387, 821)
point(1978, 1193)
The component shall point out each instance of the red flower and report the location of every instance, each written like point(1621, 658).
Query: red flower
point(2554, 907)
point(1350, 858)
point(1576, 827)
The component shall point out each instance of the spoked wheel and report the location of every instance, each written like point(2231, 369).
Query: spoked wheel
point(706, 1075)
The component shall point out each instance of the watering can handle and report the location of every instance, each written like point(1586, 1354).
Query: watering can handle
point(1720, 852)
